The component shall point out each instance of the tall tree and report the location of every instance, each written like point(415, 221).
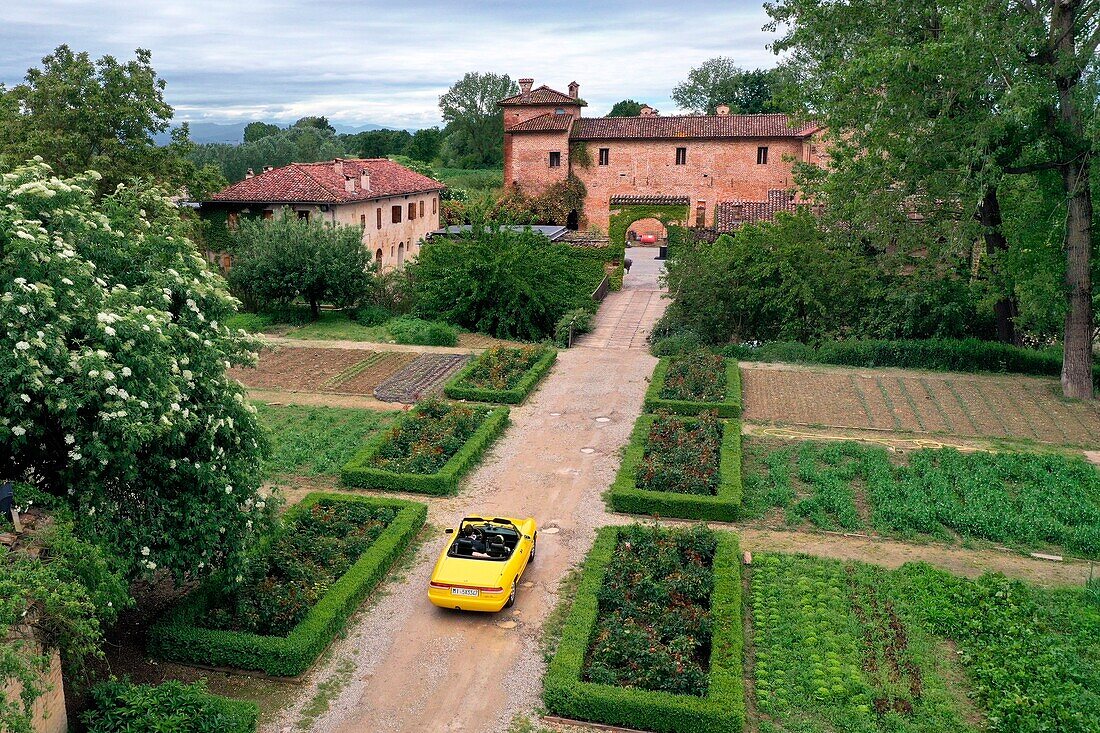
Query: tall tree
point(998, 98)
point(626, 108)
point(425, 144)
point(475, 124)
point(377, 143)
point(254, 131)
point(720, 81)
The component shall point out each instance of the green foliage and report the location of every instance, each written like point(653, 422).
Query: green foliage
point(180, 635)
point(576, 322)
point(720, 81)
point(113, 374)
point(425, 144)
point(622, 217)
point(708, 384)
point(254, 131)
point(285, 258)
point(412, 330)
point(371, 314)
point(634, 491)
point(475, 124)
point(721, 710)
point(1031, 500)
point(316, 441)
point(67, 596)
point(304, 143)
point(118, 706)
point(509, 284)
point(378, 143)
point(681, 456)
point(501, 375)
point(950, 355)
point(626, 108)
point(435, 465)
point(474, 180)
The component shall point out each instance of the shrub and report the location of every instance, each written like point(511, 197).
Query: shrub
point(249, 322)
point(410, 330)
point(428, 450)
point(121, 707)
point(181, 636)
point(577, 321)
point(501, 375)
point(683, 384)
point(371, 315)
point(682, 342)
point(719, 710)
point(650, 481)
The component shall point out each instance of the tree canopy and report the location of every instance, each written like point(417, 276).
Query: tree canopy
point(113, 375)
point(475, 124)
point(625, 108)
point(720, 81)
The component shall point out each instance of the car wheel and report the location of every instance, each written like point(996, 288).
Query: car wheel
point(511, 596)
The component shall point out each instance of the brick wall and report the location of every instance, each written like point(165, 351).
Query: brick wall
point(527, 160)
point(48, 714)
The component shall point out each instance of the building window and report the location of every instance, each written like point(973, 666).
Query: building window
point(605, 156)
point(421, 209)
point(395, 215)
point(559, 111)
point(363, 221)
point(435, 203)
point(303, 214)
point(379, 217)
point(378, 257)
point(268, 214)
point(681, 156)
point(555, 159)
point(762, 155)
point(412, 210)
point(232, 221)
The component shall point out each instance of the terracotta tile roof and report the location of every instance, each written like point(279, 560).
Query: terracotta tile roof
point(544, 123)
point(543, 95)
point(730, 216)
point(691, 126)
point(321, 183)
point(654, 200)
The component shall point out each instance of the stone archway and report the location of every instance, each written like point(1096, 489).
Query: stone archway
point(638, 232)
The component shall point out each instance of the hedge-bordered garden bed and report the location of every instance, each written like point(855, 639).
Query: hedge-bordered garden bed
point(724, 505)
point(720, 710)
point(120, 705)
point(367, 470)
point(182, 637)
point(475, 381)
point(656, 396)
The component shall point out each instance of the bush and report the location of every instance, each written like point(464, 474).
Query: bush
point(180, 636)
point(577, 321)
point(435, 465)
point(691, 373)
point(119, 706)
point(682, 342)
point(635, 492)
point(954, 355)
point(411, 330)
point(371, 315)
point(249, 322)
point(504, 376)
point(721, 710)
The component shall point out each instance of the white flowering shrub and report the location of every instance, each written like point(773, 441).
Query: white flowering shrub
point(113, 386)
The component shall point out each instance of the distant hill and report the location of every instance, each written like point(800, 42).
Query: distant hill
point(233, 132)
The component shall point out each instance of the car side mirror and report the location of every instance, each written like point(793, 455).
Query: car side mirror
point(449, 530)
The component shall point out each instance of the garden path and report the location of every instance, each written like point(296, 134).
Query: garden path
point(628, 315)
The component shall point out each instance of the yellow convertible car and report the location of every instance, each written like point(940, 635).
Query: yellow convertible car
point(481, 566)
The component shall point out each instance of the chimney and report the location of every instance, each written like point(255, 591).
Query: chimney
point(723, 110)
point(249, 173)
point(738, 211)
point(349, 184)
point(648, 111)
point(268, 168)
point(364, 180)
point(338, 165)
point(525, 85)
point(574, 89)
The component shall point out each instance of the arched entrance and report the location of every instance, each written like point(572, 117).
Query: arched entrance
point(649, 232)
point(573, 221)
point(378, 257)
point(400, 254)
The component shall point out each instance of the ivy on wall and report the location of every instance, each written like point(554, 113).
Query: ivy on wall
point(623, 216)
point(578, 153)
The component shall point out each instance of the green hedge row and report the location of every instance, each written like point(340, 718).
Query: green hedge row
point(951, 355)
point(456, 390)
point(729, 407)
point(625, 496)
point(566, 693)
point(360, 473)
point(179, 637)
point(121, 706)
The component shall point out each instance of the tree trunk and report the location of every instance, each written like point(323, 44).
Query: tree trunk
point(1077, 362)
point(1005, 309)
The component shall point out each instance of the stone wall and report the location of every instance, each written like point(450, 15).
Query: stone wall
point(49, 714)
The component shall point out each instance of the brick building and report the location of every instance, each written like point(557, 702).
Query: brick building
point(727, 166)
point(395, 207)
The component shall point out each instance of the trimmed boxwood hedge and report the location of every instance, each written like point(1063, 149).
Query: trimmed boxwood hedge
point(178, 637)
point(729, 407)
point(566, 693)
point(625, 496)
point(360, 473)
point(456, 390)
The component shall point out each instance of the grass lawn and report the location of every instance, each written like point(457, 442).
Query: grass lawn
point(314, 441)
point(1030, 500)
point(338, 326)
point(487, 179)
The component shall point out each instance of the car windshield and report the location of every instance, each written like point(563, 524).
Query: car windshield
point(481, 539)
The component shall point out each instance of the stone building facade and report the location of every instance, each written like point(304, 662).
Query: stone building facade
point(720, 163)
point(395, 207)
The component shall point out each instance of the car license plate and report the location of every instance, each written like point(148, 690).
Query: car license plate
point(464, 592)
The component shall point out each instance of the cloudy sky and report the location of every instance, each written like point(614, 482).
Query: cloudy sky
point(363, 61)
